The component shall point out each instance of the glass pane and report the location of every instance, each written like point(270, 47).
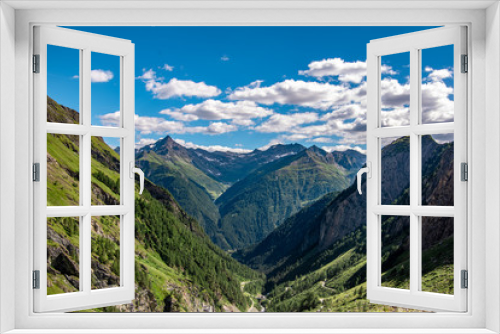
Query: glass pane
point(63, 84)
point(437, 254)
point(105, 171)
point(105, 78)
point(63, 170)
point(396, 252)
point(437, 85)
point(395, 170)
point(63, 255)
point(105, 252)
point(437, 170)
point(395, 90)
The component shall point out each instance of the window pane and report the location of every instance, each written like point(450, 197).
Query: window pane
point(105, 77)
point(63, 84)
point(395, 169)
point(437, 85)
point(105, 171)
point(63, 255)
point(63, 170)
point(395, 90)
point(396, 252)
point(105, 252)
point(437, 170)
point(437, 254)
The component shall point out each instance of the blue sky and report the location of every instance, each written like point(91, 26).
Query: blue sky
point(243, 88)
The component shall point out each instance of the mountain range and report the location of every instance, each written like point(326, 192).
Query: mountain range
point(241, 197)
point(301, 236)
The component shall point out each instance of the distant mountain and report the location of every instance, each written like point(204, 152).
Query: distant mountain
point(229, 167)
point(253, 207)
point(290, 249)
point(197, 177)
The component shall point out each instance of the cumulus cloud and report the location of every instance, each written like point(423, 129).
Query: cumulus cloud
point(224, 58)
point(176, 88)
point(297, 92)
point(321, 140)
point(270, 144)
point(148, 75)
point(101, 75)
point(218, 110)
point(147, 125)
point(283, 123)
point(243, 122)
point(438, 75)
point(345, 71)
point(212, 148)
point(343, 148)
point(144, 142)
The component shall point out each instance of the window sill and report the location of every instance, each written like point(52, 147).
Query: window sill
point(251, 331)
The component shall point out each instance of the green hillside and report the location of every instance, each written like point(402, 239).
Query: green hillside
point(316, 261)
point(169, 165)
point(178, 268)
point(255, 206)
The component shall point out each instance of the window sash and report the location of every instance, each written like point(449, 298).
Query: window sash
point(414, 298)
point(87, 43)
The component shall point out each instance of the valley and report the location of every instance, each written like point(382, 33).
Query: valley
point(275, 230)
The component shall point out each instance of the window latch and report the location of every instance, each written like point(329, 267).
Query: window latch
point(368, 171)
point(134, 170)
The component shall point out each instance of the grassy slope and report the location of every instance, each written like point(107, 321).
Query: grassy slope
point(177, 267)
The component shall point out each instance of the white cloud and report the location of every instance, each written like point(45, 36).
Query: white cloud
point(144, 142)
point(270, 144)
point(175, 87)
point(438, 75)
point(297, 92)
point(147, 75)
point(220, 127)
point(343, 148)
point(283, 123)
point(224, 58)
point(243, 122)
point(168, 68)
point(101, 76)
point(147, 125)
point(345, 71)
point(177, 115)
point(212, 148)
point(321, 140)
point(218, 110)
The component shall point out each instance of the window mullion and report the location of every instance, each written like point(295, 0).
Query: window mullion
point(85, 168)
point(414, 171)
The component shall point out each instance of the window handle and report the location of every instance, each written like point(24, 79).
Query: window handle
point(368, 171)
point(135, 170)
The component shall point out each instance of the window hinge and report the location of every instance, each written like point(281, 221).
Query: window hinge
point(464, 170)
point(36, 63)
point(465, 279)
point(465, 64)
point(36, 279)
point(36, 172)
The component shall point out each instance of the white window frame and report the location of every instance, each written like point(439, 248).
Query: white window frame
point(413, 44)
point(483, 99)
point(86, 44)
